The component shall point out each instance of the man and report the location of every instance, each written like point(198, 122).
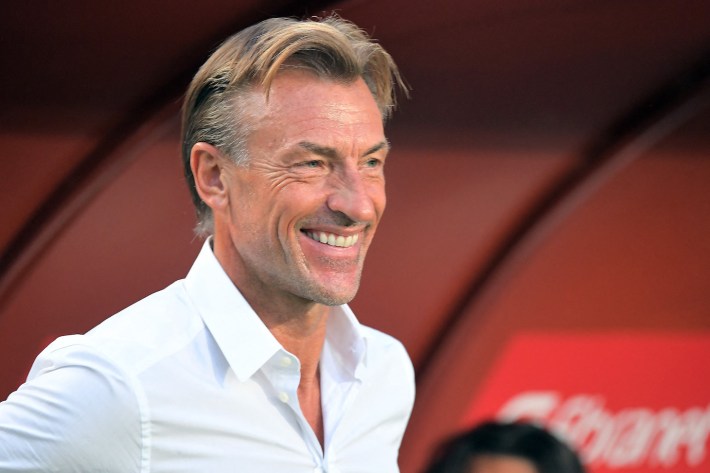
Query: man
point(252, 362)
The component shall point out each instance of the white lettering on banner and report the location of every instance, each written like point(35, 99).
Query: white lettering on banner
point(629, 437)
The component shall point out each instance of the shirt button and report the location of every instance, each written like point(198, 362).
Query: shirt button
point(283, 397)
point(286, 361)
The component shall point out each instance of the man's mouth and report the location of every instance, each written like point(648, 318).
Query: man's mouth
point(332, 239)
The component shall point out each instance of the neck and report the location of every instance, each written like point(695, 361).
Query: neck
point(297, 323)
point(299, 326)
point(303, 335)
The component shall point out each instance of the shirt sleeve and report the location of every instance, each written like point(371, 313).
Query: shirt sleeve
point(78, 412)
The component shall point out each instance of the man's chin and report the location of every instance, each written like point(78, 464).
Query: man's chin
point(331, 298)
point(331, 295)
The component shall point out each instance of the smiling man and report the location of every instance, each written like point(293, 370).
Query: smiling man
point(253, 362)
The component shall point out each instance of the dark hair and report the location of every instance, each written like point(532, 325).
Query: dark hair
point(521, 440)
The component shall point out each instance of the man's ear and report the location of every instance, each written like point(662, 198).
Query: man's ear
point(208, 168)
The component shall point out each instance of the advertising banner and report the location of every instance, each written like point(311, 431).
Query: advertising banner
point(627, 402)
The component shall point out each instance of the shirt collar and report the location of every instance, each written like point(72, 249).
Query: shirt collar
point(241, 335)
point(346, 342)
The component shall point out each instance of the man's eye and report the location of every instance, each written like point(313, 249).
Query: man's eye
point(311, 164)
point(373, 163)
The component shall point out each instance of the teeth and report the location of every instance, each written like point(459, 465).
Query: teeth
point(333, 240)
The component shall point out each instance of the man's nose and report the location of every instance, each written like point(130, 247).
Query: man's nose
point(352, 196)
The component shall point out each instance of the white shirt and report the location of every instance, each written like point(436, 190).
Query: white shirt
point(190, 380)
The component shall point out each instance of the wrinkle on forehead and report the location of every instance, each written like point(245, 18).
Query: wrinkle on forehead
point(306, 108)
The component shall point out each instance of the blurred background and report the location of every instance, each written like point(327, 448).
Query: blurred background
point(545, 253)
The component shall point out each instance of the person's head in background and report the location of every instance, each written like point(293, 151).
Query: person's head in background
point(494, 447)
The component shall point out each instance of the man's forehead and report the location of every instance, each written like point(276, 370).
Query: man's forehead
point(301, 89)
point(324, 113)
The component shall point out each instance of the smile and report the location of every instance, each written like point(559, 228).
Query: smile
point(333, 239)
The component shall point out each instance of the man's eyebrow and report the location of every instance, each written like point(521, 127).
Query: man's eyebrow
point(382, 145)
point(325, 151)
point(328, 152)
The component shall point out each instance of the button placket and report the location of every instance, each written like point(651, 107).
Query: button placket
point(284, 377)
point(283, 373)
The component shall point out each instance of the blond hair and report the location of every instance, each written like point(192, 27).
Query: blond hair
point(329, 47)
